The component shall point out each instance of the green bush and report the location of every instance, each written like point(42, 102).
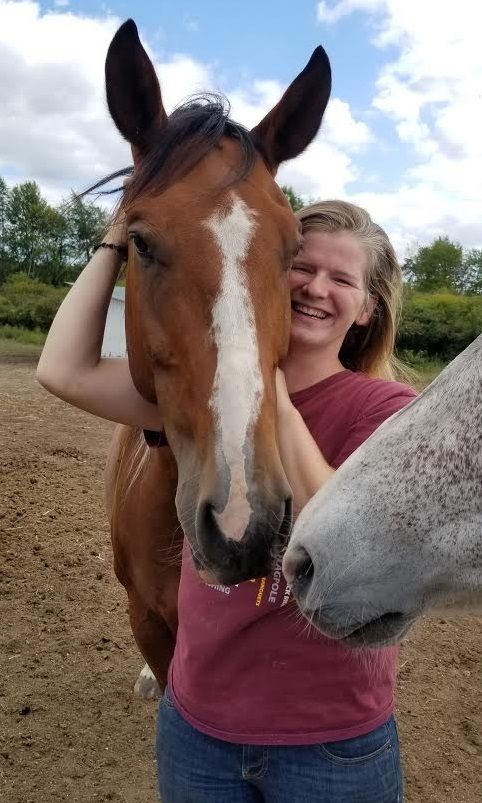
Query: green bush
point(29, 303)
point(439, 325)
point(30, 336)
point(420, 369)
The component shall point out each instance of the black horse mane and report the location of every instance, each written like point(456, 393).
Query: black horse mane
point(192, 130)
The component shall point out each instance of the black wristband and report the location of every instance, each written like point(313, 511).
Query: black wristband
point(121, 249)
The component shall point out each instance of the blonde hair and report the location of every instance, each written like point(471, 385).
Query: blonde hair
point(368, 348)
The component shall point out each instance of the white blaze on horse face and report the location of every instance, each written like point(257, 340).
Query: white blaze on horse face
point(238, 384)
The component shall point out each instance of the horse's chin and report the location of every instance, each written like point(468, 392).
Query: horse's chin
point(390, 628)
point(228, 576)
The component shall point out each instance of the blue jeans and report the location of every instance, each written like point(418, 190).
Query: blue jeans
point(195, 768)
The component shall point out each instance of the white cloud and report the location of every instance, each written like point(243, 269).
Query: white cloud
point(53, 112)
point(329, 13)
point(431, 91)
point(181, 77)
point(56, 129)
point(322, 171)
point(326, 168)
point(55, 126)
point(250, 104)
point(340, 128)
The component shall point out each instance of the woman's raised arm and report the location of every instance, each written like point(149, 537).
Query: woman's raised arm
point(71, 366)
point(305, 467)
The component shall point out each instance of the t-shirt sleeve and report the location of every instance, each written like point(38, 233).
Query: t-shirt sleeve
point(375, 413)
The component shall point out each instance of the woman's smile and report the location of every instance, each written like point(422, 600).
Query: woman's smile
point(309, 312)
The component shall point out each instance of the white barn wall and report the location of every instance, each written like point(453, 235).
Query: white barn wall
point(114, 343)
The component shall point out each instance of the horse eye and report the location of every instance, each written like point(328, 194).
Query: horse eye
point(141, 246)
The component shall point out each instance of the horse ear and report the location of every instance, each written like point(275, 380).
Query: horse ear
point(133, 91)
point(290, 127)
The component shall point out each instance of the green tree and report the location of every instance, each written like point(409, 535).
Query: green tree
point(4, 261)
point(43, 242)
point(3, 209)
point(439, 324)
point(437, 266)
point(25, 227)
point(54, 267)
point(85, 223)
point(473, 272)
point(295, 200)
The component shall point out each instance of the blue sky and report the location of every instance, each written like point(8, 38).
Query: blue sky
point(272, 41)
point(402, 134)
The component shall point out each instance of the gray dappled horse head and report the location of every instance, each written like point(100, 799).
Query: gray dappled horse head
point(397, 532)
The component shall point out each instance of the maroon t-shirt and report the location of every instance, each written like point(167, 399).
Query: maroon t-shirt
point(247, 668)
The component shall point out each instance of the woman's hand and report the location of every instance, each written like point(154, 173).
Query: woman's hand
point(117, 231)
point(305, 466)
point(284, 404)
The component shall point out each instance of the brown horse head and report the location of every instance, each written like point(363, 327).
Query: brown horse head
point(211, 239)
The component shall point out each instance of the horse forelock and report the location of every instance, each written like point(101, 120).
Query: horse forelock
point(193, 129)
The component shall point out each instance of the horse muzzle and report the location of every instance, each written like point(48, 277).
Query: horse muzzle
point(230, 560)
point(346, 615)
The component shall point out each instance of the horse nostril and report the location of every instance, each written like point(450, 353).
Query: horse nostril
point(304, 575)
point(299, 571)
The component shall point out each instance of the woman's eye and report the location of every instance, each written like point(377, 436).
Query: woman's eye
point(291, 255)
point(297, 249)
point(141, 246)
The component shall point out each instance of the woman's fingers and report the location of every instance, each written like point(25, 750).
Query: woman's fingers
point(283, 400)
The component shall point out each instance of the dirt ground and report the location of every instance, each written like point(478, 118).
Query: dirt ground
point(70, 727)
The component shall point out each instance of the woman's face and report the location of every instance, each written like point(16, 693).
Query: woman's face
point(328, 290)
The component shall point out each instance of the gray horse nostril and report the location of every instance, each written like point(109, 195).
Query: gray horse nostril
point(304, 575)
point(299, 571)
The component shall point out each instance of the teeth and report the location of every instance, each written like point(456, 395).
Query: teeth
point(313, 313)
